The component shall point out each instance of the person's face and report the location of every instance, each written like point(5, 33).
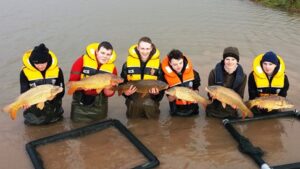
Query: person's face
point(177, 65)
point(230, 63)
point(103, 55)
point(268, 67)
point(145, 49)
point(41, 66)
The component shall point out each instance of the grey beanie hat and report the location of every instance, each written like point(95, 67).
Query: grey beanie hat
point(231, 52)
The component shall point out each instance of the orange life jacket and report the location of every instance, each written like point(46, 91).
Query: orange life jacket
point(173, 79)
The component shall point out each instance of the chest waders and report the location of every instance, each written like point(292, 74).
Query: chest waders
point(138, 106)
point(51, 112)
point(96, 110)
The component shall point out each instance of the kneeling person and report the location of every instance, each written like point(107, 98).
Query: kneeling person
point(90, 105)
point(142, 63)
point(40, 67)
point(178, 71)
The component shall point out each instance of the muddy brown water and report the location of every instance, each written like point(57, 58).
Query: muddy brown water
point(201, 29)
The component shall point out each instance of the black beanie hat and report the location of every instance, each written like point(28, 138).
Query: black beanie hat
point(270, 57)
point(40, 54)
point(231, 52)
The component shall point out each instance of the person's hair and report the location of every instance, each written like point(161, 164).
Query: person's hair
point(146, 39)
point(106, 45)
point(175, 54)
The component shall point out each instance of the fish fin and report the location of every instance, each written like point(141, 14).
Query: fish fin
point(40, 105)
point(51, 97)
point(119, 92)
point(224, 105)
point(204, 103)
point(244, 114)
point(72, 88)
point(247, 113)
point(143, 95)
point(99, 90)
point(249, 104)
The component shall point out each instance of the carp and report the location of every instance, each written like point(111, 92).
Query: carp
point(270, 103)
point(230, 97)
point(97, 82)
point(37, 95)
point(143, 86)
point(187, 94)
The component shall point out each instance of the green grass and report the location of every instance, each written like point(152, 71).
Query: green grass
point(289, 5)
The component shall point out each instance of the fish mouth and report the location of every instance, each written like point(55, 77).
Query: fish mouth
point(166, 87)
point(290, 106)
point(206, 89)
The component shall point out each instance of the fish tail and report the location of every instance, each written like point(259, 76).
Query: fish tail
point(72, 88)
point(12, 109)
point(250, 103)
point(204, 102)
point(120, 92)
point(247, 113)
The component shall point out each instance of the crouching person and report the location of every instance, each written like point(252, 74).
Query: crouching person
point(40, 67)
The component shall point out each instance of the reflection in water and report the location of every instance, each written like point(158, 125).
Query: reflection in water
point(266, 134)
point(221, 149)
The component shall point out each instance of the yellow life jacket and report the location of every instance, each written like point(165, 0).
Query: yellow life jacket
point(261, 78)
point(91, 65)
point(134, 66)
point(33, 74)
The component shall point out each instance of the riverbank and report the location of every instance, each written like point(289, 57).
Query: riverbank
point(289, 5)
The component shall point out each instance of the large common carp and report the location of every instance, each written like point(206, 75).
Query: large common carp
point(270, 102)
point(187, 94)
point(143, 86)
point(37, 95)
point(97, 82)
point(230, 97)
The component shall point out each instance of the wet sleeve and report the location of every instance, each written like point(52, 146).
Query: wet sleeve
point(24, 83)
point(252, 89)
point(283, 92)
point(196, 81)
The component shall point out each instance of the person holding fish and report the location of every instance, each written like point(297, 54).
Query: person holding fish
point(142, 63)
point(178, 71)
point(89, 105)
point(227, 73)
point(40, 67)
point(268, 78)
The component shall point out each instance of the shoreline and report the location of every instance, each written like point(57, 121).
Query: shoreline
point(287, 5)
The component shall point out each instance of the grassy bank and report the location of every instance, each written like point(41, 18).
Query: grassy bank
point(289, 5)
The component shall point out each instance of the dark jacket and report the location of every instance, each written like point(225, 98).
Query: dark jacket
point(24, 83)
point(216, 109)
point(254, 92)
point(53, 109)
